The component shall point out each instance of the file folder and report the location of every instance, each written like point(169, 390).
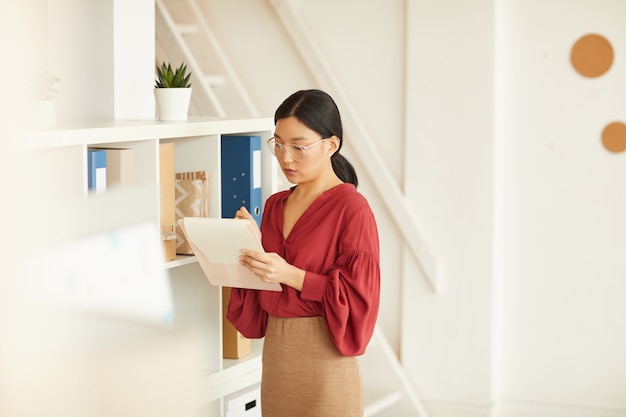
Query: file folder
point(241, 175)
point(97, 167)
point(217, 244)
point(234, 344)
point(167, 199)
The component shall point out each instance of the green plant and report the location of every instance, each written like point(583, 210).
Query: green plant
point(169, 78)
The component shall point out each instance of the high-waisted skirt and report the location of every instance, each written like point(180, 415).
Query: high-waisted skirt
point(303, 373)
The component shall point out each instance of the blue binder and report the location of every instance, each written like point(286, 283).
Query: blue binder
point(96, 176)
point(241, 175)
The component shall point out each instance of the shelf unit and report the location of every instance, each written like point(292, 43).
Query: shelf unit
point(61, 153)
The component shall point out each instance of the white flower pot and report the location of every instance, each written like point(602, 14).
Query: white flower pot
point(172, 103)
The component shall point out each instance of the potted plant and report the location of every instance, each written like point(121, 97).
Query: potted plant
point(172, 91)
point(43, 110)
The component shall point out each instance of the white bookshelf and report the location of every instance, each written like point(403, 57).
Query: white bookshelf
point(57, 159)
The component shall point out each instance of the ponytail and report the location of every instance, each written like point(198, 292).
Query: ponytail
point(344, 169)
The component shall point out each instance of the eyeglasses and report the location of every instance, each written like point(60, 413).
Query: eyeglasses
point(294, 151)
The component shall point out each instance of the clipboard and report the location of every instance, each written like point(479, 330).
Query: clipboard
point(217, 244)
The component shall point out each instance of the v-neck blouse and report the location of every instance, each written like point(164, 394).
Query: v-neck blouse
point(336, 242)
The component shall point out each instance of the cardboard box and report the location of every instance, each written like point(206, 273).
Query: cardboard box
point(235, 346)
point(167, 180)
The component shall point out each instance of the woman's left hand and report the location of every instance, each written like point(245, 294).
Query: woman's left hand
point(271, 267)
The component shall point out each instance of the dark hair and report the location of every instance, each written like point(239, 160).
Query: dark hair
point(318, 111)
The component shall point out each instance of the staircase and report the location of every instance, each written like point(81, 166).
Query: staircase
point(183, 34)
point(387, 391)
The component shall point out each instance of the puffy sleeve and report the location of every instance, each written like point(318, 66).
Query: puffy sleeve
point(246, 314)
point(350, 293)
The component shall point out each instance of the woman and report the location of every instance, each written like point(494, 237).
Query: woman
point(321, 244)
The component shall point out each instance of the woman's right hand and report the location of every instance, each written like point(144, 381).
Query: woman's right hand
point(244, 214)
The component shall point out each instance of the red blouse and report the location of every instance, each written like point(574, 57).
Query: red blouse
point(336, 242)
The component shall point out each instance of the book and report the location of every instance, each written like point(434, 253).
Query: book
point(217, 244)
point(120, 164)
point(96, 171)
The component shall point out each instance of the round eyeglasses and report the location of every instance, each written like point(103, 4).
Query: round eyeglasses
point(296, 152)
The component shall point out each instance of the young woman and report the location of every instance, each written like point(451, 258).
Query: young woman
point(321, 244)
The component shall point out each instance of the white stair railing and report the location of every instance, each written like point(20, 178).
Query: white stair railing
point(379, 346)
point(201, 27)
point(231, 74)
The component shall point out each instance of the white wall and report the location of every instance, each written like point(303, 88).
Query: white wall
point(560, 202)
point(542, 333)
point(446, 343)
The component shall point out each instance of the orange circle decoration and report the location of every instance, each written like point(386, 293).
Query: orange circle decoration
point(592, 55)
point(614, 137)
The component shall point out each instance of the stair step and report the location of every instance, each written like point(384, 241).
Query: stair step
point(214, 79)
point(186, 29)
point(373, 407)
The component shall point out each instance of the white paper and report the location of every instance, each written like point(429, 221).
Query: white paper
point(217, 244)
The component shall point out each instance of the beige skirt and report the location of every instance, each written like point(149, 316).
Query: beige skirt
point(303, 373)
